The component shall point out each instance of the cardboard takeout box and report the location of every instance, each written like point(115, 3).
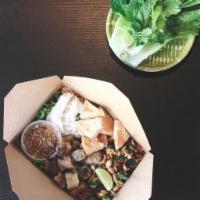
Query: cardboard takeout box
point(20, 107)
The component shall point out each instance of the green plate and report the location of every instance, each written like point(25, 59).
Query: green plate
point(170, 55)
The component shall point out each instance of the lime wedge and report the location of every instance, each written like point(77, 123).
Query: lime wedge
point(105, 178)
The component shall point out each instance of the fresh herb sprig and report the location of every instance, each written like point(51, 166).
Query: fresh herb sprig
point(121, 175)
point(46, 108)
point(107, 197)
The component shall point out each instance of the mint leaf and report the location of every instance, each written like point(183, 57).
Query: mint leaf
point(133, 8)
point(189, 3)
point(171, 7)
point(118, 6)
point(145, 12)
point(186, 23)
point(122, 176)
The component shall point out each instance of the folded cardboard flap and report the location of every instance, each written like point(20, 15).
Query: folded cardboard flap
point(20, 107)
point(139, 185)
point(28, 182)
point(110, 97)
point(23, 101)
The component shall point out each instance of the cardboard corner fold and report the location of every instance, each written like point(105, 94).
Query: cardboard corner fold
point(140, 181)
point(110, 97)
point(23, 101)
point(27, 181)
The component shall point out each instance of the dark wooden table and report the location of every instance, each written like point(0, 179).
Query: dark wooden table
point(47, 37)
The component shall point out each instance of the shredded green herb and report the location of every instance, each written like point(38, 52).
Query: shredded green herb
point(39, 164)
point(122, 176)
point(107, 197)
point(78, 116)
point(46, 108)
point(117, 159)
point(131, 147)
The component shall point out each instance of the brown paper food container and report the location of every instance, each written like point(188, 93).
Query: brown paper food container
point(24, 101)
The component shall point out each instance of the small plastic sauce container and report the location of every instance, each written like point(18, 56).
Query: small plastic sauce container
point(40, 139)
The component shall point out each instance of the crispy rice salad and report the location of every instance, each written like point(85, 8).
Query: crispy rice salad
point(95, 156)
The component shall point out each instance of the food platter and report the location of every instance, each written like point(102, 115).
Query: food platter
point(103, 156)
point(76, 144)
point(169, 56)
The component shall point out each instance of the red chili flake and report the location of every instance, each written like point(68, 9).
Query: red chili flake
point(119, 165)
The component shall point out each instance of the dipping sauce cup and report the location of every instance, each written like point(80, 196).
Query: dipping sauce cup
point(40, 139)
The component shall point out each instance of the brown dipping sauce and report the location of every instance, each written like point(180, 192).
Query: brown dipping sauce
point(40, 141)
